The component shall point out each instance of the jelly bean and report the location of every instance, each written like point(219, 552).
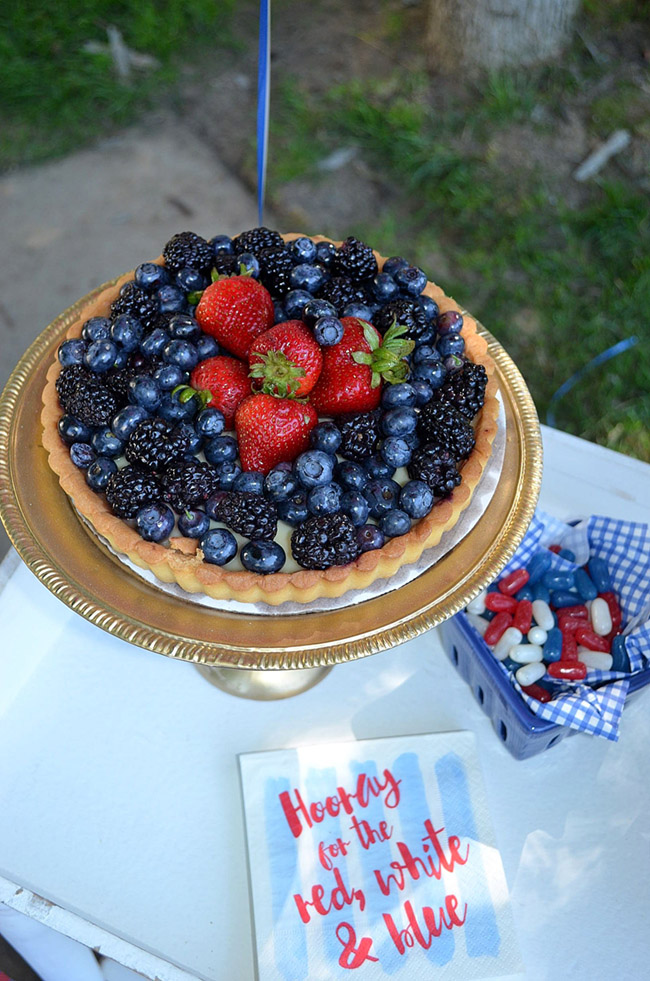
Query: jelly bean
point(569, 624)
point(601, 618)
point(477, 605)
point(540, 592)
point(497, 628)
point(566, 553)
point(585, 585)
point(537, 635)
point(537, 692)
point(599, 572)
point(558, 580)
point(614, 608)
point(523, 617)
point(552, 649)
point(543, 615)
point(596, 660)
point(526, 653)
point(478, 622)
point(538, 565)
point(569, 647)
point(586, 636)
point(561, 598)
point(509, 638)
point(575, 611)
point(528, 674)
point(513, 582)
point(555, 548)
point(497, 602)
point(568, 670)
point(621, 661)
point(510, 665)
point(524, 594)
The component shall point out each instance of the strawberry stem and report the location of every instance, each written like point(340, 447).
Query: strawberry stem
point(386, 360)
point(279, 375)
point(186, 392)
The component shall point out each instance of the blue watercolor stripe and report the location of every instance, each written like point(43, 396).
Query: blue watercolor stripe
point(481, 930)
point(282, 850)
point(263, 96)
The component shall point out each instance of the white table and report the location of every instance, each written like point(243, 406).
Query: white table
point(120, 808)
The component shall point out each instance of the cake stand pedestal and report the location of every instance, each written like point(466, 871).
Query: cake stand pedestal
point(263, 686)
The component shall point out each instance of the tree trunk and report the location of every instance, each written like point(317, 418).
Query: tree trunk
point(475, 35)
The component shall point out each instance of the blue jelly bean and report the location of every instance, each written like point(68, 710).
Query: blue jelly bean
point(552, 649)
point(561, 597)
point(599, 572)
point(538, 565)
point(510, 665)
point(585, 585)
point(541, 592)
point(566, 553)
point(558, 580)
point(525, 593)
point(620, 659)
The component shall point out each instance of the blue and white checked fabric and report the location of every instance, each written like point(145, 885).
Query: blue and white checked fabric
point(625, 547)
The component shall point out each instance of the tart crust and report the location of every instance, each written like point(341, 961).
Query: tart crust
point(182, 561)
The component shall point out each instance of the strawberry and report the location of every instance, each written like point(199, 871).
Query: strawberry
point(354, 368)
point(272, 430)
point(235, 310)
point(227, 381)
point(285, 360)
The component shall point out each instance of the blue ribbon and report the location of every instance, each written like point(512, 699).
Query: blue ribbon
point(611, 352)
point(263, 91)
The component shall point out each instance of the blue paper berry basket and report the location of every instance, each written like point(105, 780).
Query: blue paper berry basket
point(521, 732)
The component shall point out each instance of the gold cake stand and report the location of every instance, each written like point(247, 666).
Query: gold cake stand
point(253, 656)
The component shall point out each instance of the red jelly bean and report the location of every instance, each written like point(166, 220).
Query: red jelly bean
point(536, 691)
point(570, 624)
point(568, 670)
point(498, 602)
point(498, 626)
point(555, 548)
point(614, 609)
point(523, 617)
point(575, 611)
point(514, 581)
point(585, 636)
point(569, 647)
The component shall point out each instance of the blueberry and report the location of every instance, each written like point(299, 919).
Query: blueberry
point(221, 449)
point(182, 353)
point(453, 362)
point(151, 276)
point(294, 509)
point(384, 287)
point(351, 475)
point(127, 419)
point(155, 522)
point(82, 455)
point(427, 336)
point(193, 523)
point(106, 443)
point(96, 329)
point(175, 409)
point(400, 394)
point(423, 391)
point(152, 345)
point(382, 495)
point(314, 467)
point(280, 484)
point(280, 313)
point(326, 436)
point(190, 280)
point(169, 376)
point(121, 358)
point(126, 331)
point(325, 253)
point(262, 557)
point(376, 466)
point(100, 356)
point(395, 523)
point(307, 277)
point(295, 302)
point(303, 249)
point(399, 421)
point(192, 439)
point(355, 506)
point(249, 482)
point(228, 473)
point(394, 263)
point(416, 498)
point(184, 327)
point(357, 309)
point(72, 431)
point(324, 499)
point(395, 451)
point(250, 263)
point(425, 352)
point(222, 244)
point(209, 423)
point(328, 331)
point(412, 440)
point(450, 322)
point(72, 352)
point(433, 372)
point(171, 299)
point(370, 537)
point(219, 546)
point(450, 344)
point(411, 280)
point(315, 309)
point(206, 347)
point(98, 473)
point(430, 307)
point(145, 391)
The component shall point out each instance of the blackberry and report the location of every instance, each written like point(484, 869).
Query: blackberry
point(247, 514)
point(256, 239)
point(188, 249)
point(360, 433)
point(92, 403)
point(355, 259)
point(464, 389)
point(339, 291)
point(154, 444)
point(187, 483)
point(67, 382)
point(435, 467)
point(136, 301)
point(441, 424)
point(324, 541)
point(275, 269)
point(404, 312)
point(130, 489)
point(225, 264)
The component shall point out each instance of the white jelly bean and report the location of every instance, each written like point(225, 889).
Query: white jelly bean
point(477, 605)
point(537, 635)
point(543, 615)
point(528, 674)
point(508, 639)
point(596, 660)
point(526, 653)
point(601, 618)
point(478, 623)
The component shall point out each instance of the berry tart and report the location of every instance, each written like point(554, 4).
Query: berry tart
point(270, 418)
